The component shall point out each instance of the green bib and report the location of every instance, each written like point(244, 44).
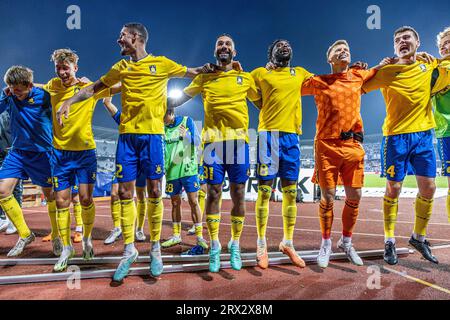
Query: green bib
point(441, 103)
point(180, 155)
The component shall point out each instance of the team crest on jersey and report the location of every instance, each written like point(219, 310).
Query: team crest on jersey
point(158, 169)
point(423, 67)
point(31, 101)
point(76, 90)
point(152, 69)
point(293, 72)
point(239, 80)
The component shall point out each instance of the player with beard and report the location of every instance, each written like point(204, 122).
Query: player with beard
point(225, 138)
point(441, 103)
point(408, 136)
point(278, 154)
point(337, 147)
point(140, 147)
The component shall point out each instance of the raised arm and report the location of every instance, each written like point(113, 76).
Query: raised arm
point(83, 94)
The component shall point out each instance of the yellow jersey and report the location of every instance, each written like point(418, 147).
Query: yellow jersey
point(224, 99)
point(144, 92)
point(76, 134)
point(407, 93)
point(281, 98)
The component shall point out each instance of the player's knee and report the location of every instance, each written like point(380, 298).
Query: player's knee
point(114, 197)
point(428, 190)
point(327, 199)
point(125, 194)
point(176, 201)
point(393, 189)
point(193, 202)
point(86, 201)
point(62, 202)
point(238, 193)
point(214, 194)
point(154, 191)
point(4, 192)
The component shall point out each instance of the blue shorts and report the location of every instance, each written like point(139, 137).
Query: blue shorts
point(443, 145)
point(138, 153)
point(175, 187)
point(201, 175)
point(408, 153)
point(230, 156)
point(278, 155)
point(68, 166)
point(23, 164)
point(141, 181)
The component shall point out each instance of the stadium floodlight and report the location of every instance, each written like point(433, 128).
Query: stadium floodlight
point(175, 93)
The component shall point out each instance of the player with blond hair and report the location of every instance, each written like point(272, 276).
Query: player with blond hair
point(74, 154)
point(338, 144)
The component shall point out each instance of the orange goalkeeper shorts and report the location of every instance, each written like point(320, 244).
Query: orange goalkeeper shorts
point(338, 162)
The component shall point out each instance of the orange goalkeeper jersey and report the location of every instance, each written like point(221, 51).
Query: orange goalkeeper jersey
point(338, 101)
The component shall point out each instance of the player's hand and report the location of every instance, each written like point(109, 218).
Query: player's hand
point(7, 91)
point(63, 111)
point(182, 131)
point(236, 65)
point(360, 64)
point(209, 68)
point(270, 66)
point(84, 80)
point(107, 100)
point(425, 57)
point(388, 60)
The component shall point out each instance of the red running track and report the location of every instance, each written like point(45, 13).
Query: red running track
point(412, 278)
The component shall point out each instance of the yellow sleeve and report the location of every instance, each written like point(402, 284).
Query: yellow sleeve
point(112, 76)
point(304, 73)
point(443, 81)
point(255, 76)
point(377, 82)
point(253, 93)
point(103, 94)
point(174, 69)
point(195, 87)
point(49, 86)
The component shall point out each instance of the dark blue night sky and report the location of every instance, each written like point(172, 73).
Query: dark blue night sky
point(185, 31)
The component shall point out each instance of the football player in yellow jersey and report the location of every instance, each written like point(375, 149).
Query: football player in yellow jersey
point(140, 147)
point(278, 153)
point(74, 154)
point(225, 138)
point(408, 137)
